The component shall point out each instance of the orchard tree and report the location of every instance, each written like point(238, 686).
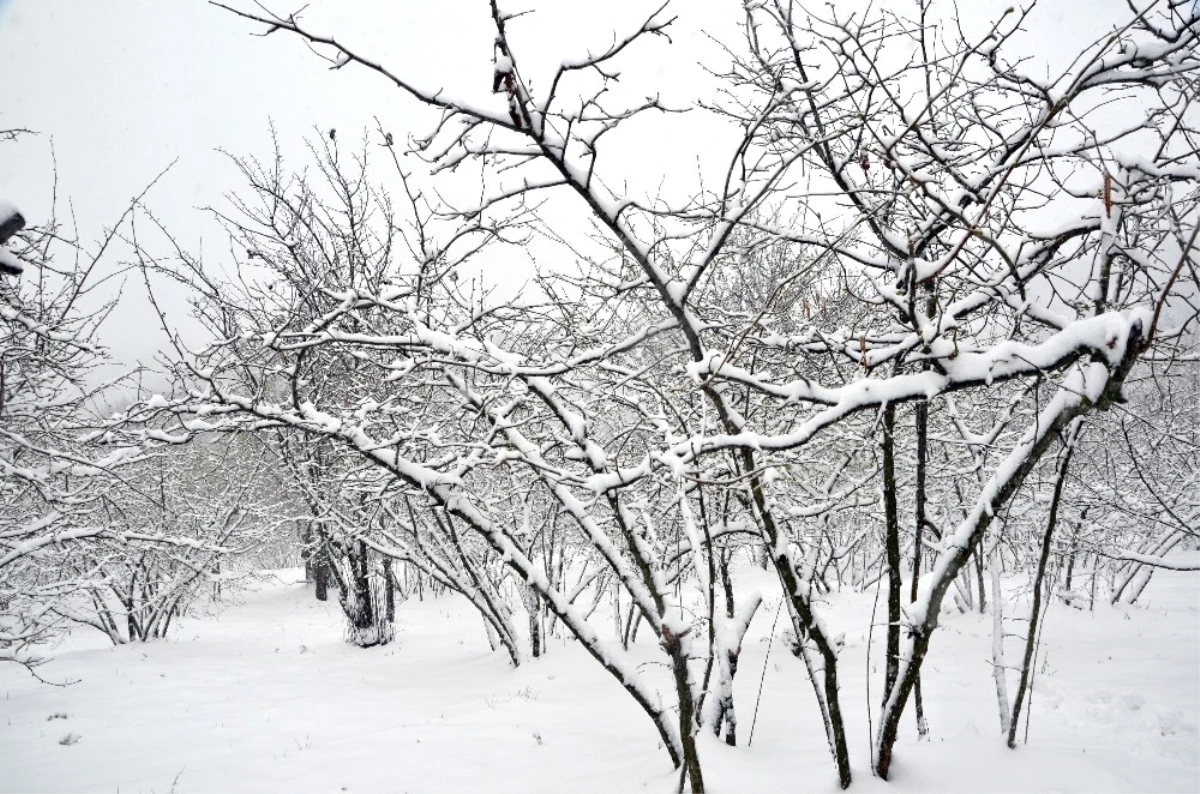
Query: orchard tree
point(60, 462)
point(961, 260)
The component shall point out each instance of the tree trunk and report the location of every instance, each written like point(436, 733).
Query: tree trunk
point(804, 623)
point(1055, 420)
point(1035, 610)
point(922, 423)
point(687, 704)
point(999, 665)
point(532, 608)
point(892, 548)
point(321, 571)
point(389, 581)
point(979, 580)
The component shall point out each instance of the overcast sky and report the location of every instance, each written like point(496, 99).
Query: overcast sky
point(124, 87)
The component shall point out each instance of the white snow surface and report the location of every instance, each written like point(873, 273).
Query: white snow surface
point(267, 697)
point(8, 209)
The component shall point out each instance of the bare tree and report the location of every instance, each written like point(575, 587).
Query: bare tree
point(961, 236)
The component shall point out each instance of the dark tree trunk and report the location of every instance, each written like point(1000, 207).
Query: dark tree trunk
point(956, 557)
point(892, 549)
point(321, 573)
point(687, 713)
point(979, 579)
point(1035, 610)
point(922, 423)
point(533, 606)
point(389, 584)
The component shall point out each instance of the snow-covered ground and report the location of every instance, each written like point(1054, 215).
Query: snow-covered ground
point(267, 697)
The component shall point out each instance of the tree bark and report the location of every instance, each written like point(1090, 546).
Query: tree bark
point(891, 521)
point(1054, 421)
point(1035, 610)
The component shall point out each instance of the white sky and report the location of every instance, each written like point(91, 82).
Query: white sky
point(123, 87)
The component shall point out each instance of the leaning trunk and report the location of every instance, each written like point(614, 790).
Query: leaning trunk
point(1035, 609)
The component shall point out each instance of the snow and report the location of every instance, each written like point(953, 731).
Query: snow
point(268, 697)
point(1105, 335)
point(9, 263)
point(8, 209)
